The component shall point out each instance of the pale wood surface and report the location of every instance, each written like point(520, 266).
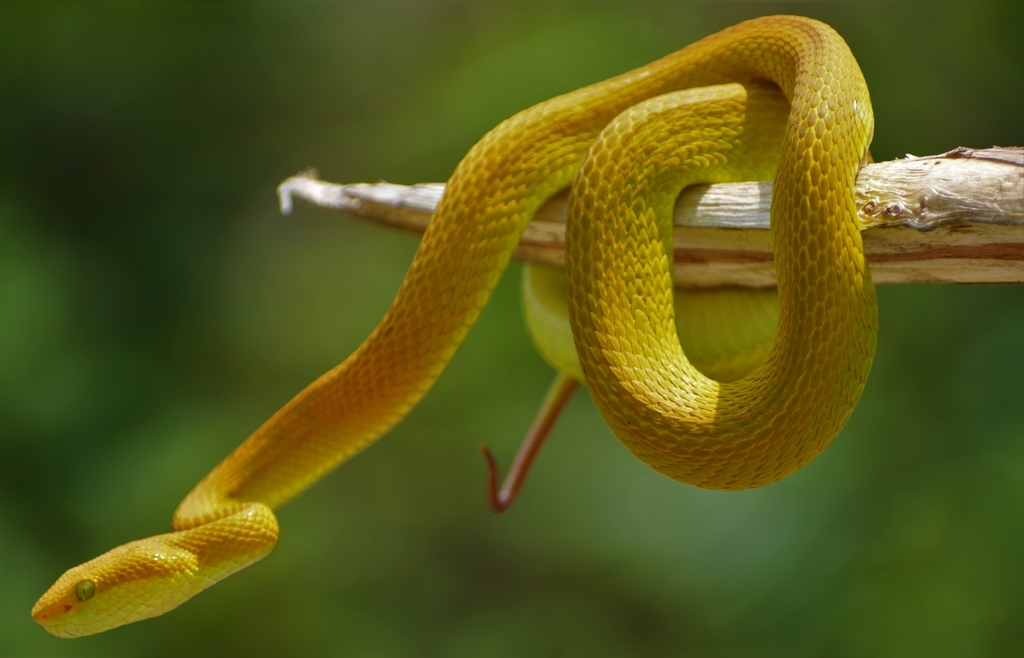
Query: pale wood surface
point(956, 217)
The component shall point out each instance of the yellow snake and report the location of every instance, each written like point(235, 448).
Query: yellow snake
point(647, 144)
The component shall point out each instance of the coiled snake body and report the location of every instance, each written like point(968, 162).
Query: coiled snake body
point(648, 143)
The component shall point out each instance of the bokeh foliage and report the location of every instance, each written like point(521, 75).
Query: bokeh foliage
point(155, 309)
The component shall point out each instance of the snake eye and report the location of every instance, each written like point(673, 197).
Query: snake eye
point(85, 590)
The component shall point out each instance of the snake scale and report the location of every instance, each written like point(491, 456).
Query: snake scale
point(627, 146)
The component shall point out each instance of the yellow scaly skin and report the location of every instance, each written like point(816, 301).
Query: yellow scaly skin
point(725, 333)
point(718, 435)
point(759, 429)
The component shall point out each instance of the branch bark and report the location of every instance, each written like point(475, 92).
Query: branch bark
point(957, 217)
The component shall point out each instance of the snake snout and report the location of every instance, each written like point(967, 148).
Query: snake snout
point(129, 583)
point(58, 608)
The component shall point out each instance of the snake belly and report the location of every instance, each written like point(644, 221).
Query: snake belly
point(721, 435)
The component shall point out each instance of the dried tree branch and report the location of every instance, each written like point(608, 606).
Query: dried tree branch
point(956, 217)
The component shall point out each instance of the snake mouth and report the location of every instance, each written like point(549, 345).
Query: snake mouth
point(63, 610)
point(54, 617)
point(63, 617)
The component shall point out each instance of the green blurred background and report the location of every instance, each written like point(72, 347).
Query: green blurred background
point(155, 308)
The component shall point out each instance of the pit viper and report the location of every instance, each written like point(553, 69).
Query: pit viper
point(626, 146)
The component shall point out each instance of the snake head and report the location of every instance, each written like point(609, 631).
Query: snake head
point(132, 582)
